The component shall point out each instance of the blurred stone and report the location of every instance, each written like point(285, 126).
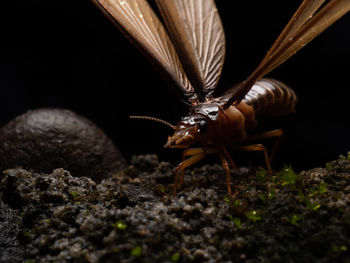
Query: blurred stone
point(46, 139)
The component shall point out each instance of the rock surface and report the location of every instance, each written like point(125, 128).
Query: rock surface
point(131, 217)
point(46, 139)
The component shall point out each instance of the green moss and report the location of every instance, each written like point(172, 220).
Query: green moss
point(136, 251)
point(263, 198)
point(175, 257)
point(119, 225)
point(300, 195)
point(294, 219)
point(162, 189)
point(337, 248)
point(322, 188)
point(328, 167)
point(74, 193)
point(253, 216)
point(271, 194)
point(28, 233)
point(287, 176)
point(313, 206)
point(191, 257)
point(48, 221)
point(238, 202)
point(237, 221)
point(261, 175)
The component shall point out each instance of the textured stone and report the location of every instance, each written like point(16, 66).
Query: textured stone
point(46, 139)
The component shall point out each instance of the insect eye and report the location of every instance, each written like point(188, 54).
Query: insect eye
point(203, 125)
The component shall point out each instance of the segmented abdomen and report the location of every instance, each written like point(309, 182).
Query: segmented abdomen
point(271, 97)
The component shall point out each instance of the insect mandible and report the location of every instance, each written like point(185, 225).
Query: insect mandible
point(190, 53)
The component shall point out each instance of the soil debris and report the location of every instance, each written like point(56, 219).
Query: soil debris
point(131, 216)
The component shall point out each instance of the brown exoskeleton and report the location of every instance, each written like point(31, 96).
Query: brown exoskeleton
point(191, 58)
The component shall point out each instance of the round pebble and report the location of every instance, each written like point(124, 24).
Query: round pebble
point(45, 139)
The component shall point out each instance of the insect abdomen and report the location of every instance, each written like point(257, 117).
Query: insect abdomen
point(271, 97)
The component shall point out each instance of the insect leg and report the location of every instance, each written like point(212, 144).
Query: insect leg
point(226, 166)
point(191, 152)
point(186, 153)
point(266, 135)
point(190, 161)
point(228, 157)
point(253, 148)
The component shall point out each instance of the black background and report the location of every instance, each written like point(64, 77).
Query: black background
point(67, 54)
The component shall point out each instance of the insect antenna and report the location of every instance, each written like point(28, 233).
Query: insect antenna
point(149, 118)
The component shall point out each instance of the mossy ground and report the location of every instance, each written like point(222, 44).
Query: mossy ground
point(132, 217)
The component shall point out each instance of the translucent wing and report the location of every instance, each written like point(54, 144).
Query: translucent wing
point(138, 22)
point(324, 18)
point(305, 11)
point(197, 33)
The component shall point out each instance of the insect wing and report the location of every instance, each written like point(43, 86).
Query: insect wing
point(305, 12)
point(197, 33)
point(333, 11)
point(324, 18)
point(139, 23)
